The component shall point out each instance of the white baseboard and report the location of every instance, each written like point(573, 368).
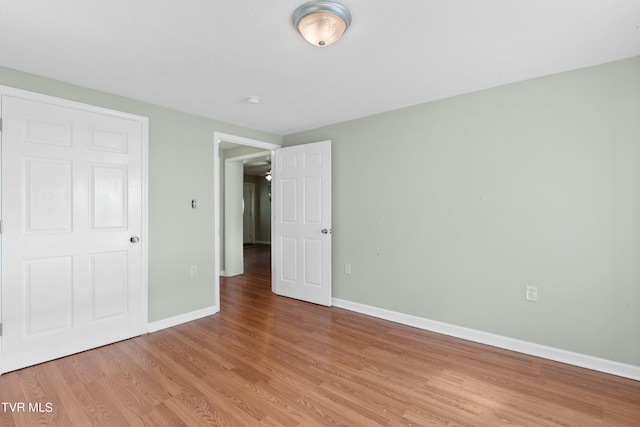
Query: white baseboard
point(182, 318)
point(558, 355)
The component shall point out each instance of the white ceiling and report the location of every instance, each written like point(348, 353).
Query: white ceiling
point(206, 56)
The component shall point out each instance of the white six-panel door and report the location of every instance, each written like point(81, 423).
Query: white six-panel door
point(72, 258)
point(301, 241)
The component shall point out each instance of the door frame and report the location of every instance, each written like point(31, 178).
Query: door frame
point(219, 137)
point(144, 171)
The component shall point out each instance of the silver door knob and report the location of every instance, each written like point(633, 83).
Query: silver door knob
point(134, 239)
point(325, 231)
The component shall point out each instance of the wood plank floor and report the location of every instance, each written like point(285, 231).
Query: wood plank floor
point(272, 361)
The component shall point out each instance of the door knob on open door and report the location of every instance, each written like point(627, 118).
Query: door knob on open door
point(326, 231)
point(134, 239)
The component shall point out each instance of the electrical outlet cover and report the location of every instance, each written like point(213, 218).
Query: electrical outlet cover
point(531, 293)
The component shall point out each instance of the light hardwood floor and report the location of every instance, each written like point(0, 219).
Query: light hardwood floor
point(272, 361)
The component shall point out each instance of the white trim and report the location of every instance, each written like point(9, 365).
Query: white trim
point(2, 88)
point(551, 353)
point(182, 318)
point(245, 157)
point(217, 138)
point(234, 139)
point(29, 95)
point(144, 232)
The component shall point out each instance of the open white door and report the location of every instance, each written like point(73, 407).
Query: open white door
point(73, 260)
point(301, 241)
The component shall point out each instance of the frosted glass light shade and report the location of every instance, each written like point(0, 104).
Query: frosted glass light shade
point(321, 23)
point(322, 28)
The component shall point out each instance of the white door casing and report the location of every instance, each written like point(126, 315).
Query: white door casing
point(301, 242)
point(233, 256)
point(74, 258)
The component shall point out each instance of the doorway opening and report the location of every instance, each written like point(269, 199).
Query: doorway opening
point(231, 155)
point(300, 217)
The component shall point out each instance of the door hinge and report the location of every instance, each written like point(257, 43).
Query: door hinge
point(0, 329)
point(0, 124)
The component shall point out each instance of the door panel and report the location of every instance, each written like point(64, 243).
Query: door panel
point(109, 197)
point(48, 294)
point(49, 197)
point(302, 210)
point(109, 285)
point(71, 200)
point(313, 261)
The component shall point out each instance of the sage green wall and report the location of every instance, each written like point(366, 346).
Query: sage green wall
point(447, 210)
point(263, 208)
point(264, 217)
point(180, 169)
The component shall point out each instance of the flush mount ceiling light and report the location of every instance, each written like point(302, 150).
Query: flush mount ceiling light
point(321, 23)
